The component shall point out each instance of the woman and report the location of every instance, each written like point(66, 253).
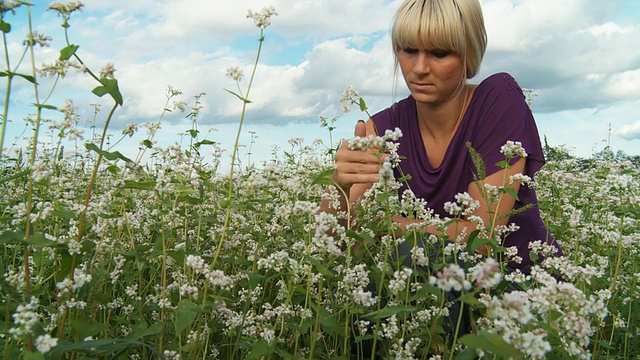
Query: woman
point(438, 45)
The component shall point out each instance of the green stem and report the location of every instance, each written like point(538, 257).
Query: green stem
point(234, 154)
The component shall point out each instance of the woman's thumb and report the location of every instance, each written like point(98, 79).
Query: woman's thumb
point(361, 129)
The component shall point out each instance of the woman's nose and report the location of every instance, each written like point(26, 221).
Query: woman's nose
point(423, 63)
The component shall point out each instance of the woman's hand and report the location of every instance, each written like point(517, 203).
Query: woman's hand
point(356, 166)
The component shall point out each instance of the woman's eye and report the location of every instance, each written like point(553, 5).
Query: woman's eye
point(440, 53)
point(410, 51)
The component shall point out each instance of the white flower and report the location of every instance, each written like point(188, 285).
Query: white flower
point(513, 149)
point(40, 171)
point(263, 18)
point(349, 96)
point(487, 274)
point(450, 278)
point(44, 343)
point(235, 73)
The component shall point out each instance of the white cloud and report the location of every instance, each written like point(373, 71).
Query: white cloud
point(573, 53)
point(629, 131)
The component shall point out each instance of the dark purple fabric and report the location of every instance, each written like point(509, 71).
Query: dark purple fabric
point(497, 112)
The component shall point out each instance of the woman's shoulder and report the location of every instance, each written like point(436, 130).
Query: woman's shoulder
point(500, 81)
point(500, 85)
point(395, 112)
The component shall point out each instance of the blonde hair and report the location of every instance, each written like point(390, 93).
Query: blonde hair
point(453, 25)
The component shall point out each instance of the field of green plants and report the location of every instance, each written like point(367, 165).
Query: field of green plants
point(106, 257)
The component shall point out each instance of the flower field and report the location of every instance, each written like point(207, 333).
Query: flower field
point(108, 257)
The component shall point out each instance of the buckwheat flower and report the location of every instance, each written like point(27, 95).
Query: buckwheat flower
point(197, 264)
point(80, 278)
point(235, 73)
point(268, 335)
point(349, 96)
point(385, 175)
point(44, 343)
point(9, 6)
point(467, 205)
point(263, 18)
point(171, 355)
point(363, 326)
point(40, 171)
point(486, 274)
point(363, 298)
point(108, 71)
point(393, 135)
point(65, 8)
point(38, 39)
point(390, 328)
point(130, 129)
point(533, 344)
point(69, 111)
point(419, 257)
point(516, 276)
point(513, 149)
point(399, 281)
point(25, 318)
point(60, 67)
point(520, 179)
point(451, 277)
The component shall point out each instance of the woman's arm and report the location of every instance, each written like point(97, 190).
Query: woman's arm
point(492, 214)
point(355, 171)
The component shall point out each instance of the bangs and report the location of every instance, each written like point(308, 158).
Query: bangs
point(427, 24)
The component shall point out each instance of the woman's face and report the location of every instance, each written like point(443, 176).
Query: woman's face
point(433, 76)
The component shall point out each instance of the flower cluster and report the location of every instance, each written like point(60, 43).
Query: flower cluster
point(513, 149)
point(262, 19)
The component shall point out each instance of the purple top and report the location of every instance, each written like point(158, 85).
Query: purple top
point(496, 113)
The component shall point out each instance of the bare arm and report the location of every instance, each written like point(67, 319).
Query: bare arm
point(355, 172)
point(492, 214)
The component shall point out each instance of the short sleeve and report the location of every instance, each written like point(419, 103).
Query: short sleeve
point(504, 115)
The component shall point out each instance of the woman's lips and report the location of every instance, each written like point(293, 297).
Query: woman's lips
point(422, 86)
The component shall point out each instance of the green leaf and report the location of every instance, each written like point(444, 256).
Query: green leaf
point(504, 164)
point(5, 27)
point(142, 185)
point(28, 355)
point(363, 105)
point(491, 343)
point(186, 313)
point(15, 176)
point(29, 78)
point(45, 106)
point(511, 192)
point(39, 241)
point(108, 155)
point(203, 142)
point(65, 214)
point(147, 143)
point(469, 298)
point(83, 326)
point(476, 242)
point(67, 52)
point(103, 347)
point(109, 86)
point(193, 132)
point(467, 354)
point(260, 349)
point(238, 96)
point(324, 178)
point(320, 267)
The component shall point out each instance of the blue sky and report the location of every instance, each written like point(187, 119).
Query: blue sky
point(580, 56)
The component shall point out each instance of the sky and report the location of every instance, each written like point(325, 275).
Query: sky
point(581, 57)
